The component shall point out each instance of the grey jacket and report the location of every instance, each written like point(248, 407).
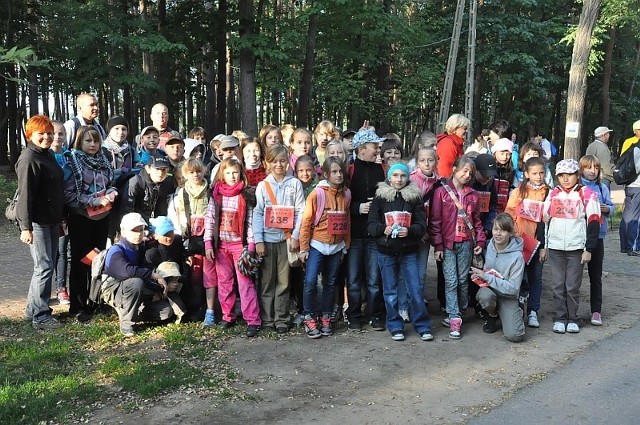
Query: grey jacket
point(509, 263)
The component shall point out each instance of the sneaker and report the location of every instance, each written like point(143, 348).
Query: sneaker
point(558, 327)
point(445, 322)
point(63, 297)
point(377, 324)
point(454, 327)
point(225, 325)
point(326, 330)
point(209, 319)
point(397, 336)
point(84, 317)
point(298, 320)
point(311, 327)
point(126, 331)
point(573, 328)
point(533, 320)
point(633, 253)
point(252, 331)
point(405, 315)
point(336, 313)
point(47, 324)
point(282, 329)
point(354, 326)
point(490, 325)
point(426, 336)
point(481, 313)
point(596, 319)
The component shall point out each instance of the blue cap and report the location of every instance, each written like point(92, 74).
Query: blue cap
point(161, 225)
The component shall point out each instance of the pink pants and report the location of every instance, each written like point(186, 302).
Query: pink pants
point(226, 261)
point(203, 271)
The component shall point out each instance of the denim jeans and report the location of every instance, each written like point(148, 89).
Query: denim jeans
point(362, 266)
point(631, 217)
point(328, 265)
point(62, 265)
point(44, 250)
point(423, 260)
point(456, 265)
point(533, 279)
point(391, 268)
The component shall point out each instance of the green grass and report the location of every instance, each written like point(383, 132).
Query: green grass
point(58, 376)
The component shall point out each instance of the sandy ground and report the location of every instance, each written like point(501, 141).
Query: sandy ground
point(367, 378)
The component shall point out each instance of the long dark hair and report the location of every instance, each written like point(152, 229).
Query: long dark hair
point(531, 162)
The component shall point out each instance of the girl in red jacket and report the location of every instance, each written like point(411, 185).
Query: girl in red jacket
point(457, 233)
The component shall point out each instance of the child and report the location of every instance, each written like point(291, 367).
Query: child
point(149, 140)
point(502, 150)
point(457, 233)
point(287, 131)
point(573, 214)
point(530, 150)
point(323, 133)
point(253, 156)
point(270, 135)
point(213, 154)
point(229, 233)
point(426, 179)
point(391, 150)
point(276, 225)
point(57, 147)
point(300, 145)
point(398, 222)
point(121, 154)
point(191, 204)
point(590, 171)
point(500, 280)
point(525, 207)
point(306, 173)
point(324, 241)
point(337, 148)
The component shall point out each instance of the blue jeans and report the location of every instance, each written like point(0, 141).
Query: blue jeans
point(327, 265)
point(533, 276)
point(62, 264)
point(362, 266)
point(423, 260)
point(44, 250)
point(392, 267)
point(456, 265)
point(631, 216)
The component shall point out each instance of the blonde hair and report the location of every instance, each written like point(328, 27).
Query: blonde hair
point(191, 164)
point(287, 131)
point(325, 126)
point(588, 161)
point(275, 151)
point(456, 121)
point(339, 144)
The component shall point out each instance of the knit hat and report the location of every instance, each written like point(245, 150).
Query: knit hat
point(366, 136)
point(397, 166)
point(168, 269)
point(161, 225)
point(131, 221)
point(502, 145)
point(567, 166)
point(116, 120)
point(601, 131)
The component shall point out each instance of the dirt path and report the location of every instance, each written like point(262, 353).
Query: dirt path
point(367, 378)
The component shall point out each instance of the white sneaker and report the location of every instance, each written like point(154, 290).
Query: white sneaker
point(405, 315)
point(558, 327)
point(533, 320)
point(573, 328)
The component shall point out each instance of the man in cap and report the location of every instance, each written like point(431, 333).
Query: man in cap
point(160, 120)
point(633, 139)
point(362, 261)
point(600, 149)
point(135, 291)
point(87, 114)
point(147, 192)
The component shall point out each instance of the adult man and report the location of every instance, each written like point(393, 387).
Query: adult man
point(129, 285)
point(160, 119)
point(362, 259)
point(631, 213)
point(87, 110)
point(633, 139)
point(600, 149)
point(545, 144)
point(623, 225)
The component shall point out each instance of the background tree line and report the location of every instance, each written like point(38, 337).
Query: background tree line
point(226, 65)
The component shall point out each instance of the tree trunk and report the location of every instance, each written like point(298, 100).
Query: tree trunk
point(221, 49)
point(147, 66)
point(606, 77)
point(578, 74)
point(304, 99)
point(248, 114)
point(4, 111)
point(231, 122)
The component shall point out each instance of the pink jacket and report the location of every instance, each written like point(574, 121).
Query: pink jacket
point(444, 214)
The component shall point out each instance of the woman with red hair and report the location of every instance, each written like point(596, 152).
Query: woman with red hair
point(39, 214)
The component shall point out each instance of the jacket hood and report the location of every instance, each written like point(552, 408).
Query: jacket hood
point(410, 193)
point(195, 191)
point(515, 245)
point(190, 145)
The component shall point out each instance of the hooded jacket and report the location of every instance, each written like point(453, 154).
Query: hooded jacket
point(190, 145)
point(604, 197)
point(388, 199)
point(288, 192)
point(449, 148)
point(334, 201)
point(143, 195)
point(198, 198)
point(509, 263)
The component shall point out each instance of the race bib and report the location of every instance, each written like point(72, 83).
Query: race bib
point(565, 208)
point(338, 223)
point(484, 198)
point(503, 195)
point(279, 217)
point(197, 225)
point(530, 210)
point(228, 220)
point(462, 230)
point(401, 218)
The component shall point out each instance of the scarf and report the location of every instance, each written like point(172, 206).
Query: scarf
point(115, 147)
point(78, 161)
point(221, 189)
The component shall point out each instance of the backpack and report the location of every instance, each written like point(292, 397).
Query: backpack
point(97, 270)
point(320, 201)
point(624, 172)
point(554, 149)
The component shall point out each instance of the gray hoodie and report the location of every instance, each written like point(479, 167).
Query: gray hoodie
point(509, 263)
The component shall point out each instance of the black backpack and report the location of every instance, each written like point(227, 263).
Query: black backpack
point(624, 172)
point(97, 270)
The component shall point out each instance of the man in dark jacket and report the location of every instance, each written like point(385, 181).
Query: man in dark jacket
point(362, 259)
point(148, 192)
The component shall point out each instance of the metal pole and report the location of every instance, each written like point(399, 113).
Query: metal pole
point(471, 68)
point(451, 66)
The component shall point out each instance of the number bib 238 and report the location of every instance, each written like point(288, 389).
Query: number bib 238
point(565, 208)
point(338, 222)
point(278, 216)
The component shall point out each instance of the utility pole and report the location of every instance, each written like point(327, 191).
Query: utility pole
point(451, 66)
point(471, 68)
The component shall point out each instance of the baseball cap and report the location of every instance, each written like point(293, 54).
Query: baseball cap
point(174, 139)
point(168, 269)
point(502, 145)
point(348, 133)
point(148, 129)
point(131, 221)
point(636, 125)
point(486, 165)
point(161, 225)
point(158, 162)
point(227, 142)
point(567, 166)
point(601, 131)
point(366, 136)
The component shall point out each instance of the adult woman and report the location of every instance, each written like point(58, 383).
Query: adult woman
point(449, 146)
point(89, 194)
point(39, 213)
